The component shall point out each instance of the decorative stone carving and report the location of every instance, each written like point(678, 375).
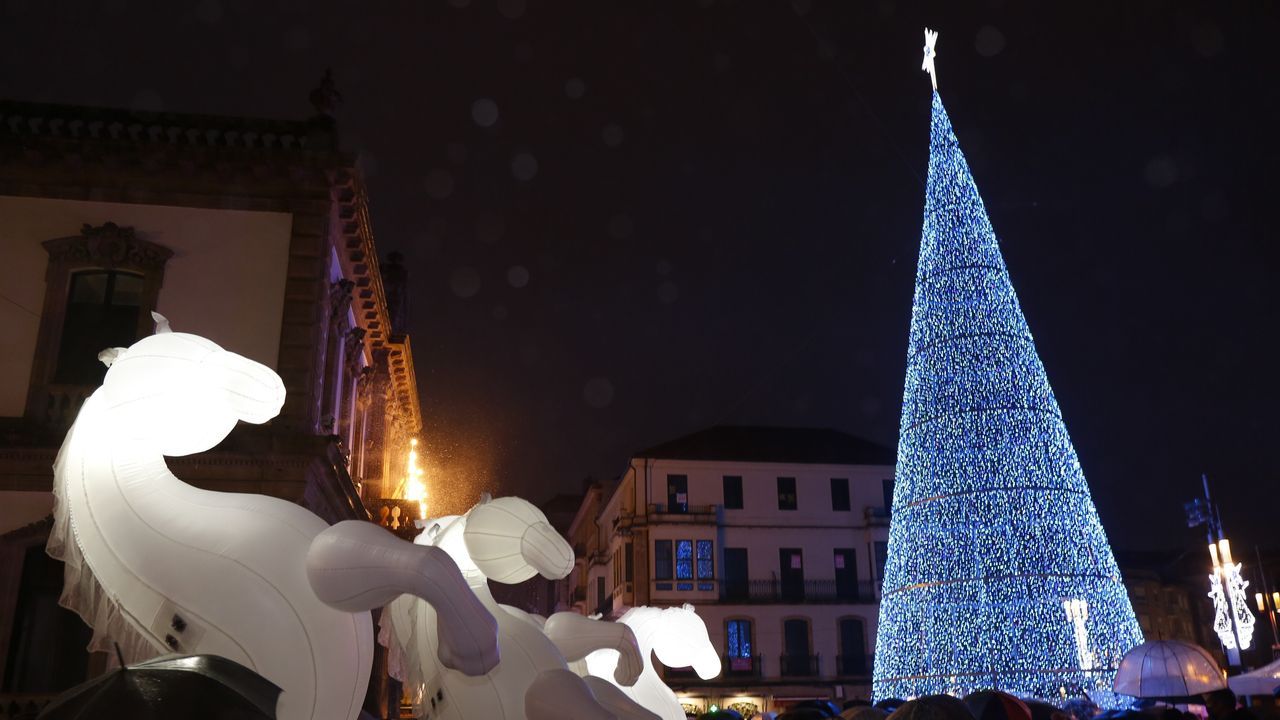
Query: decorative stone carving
point(339, 298)
point(355, 344)
point(107, 246)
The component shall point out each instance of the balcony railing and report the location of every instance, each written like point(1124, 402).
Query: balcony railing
point(697, 510)
point(806, 591)
point(741, 667)
point(854, 665)
point(798, 665)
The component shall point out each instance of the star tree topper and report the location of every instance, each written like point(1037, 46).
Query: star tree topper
point(930, 39)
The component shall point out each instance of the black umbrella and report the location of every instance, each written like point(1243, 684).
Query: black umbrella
point(193, 687)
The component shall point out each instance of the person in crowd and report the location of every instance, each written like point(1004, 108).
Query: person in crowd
point(1221, 705)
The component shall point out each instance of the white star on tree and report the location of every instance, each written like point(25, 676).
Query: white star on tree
point(930, 39)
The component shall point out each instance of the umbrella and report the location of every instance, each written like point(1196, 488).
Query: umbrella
point(721, 714)
point(1169, 670)
point(193, 687)
point(996, 705)
point(890, 704)
point(932, 707)
point(1263, 681)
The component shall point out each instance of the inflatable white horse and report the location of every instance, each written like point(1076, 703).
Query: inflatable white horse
point(509, 540)
point(678, 636)
point(158, 566)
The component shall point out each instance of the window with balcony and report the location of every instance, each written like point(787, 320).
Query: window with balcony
point(732, 492)
point(736, 585)
point(791, 573)
point(840, 494)
point(882, 558)
point(677, 493)
point(738, 647)
point(786, 493)
point(797, 659)
point(853, 647)
point(846, 567)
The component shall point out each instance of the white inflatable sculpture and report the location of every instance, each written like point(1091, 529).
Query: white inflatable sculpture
point(159, 566)
point(678, 636)
point(509, 540)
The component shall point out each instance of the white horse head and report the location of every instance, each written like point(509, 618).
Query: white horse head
point(510, 541)
point(185, 393)
point(507, 540)
point(677, 636)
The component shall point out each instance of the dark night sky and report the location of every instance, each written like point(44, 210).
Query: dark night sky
point(723, 218)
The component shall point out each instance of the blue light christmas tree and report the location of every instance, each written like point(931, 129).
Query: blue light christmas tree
point(999, 572)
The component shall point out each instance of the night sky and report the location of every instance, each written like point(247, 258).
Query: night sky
point(628, 221)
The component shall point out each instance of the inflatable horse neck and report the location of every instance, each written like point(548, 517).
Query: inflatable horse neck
point(449, 535)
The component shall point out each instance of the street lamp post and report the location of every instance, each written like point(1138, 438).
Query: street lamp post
point(1233, 621)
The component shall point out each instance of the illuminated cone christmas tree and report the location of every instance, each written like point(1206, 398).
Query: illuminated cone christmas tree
point(999, 572)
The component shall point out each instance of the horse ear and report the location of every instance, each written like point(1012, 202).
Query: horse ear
point(485, 498)
point(433, 531)
point(689, 607)
point(162, 323)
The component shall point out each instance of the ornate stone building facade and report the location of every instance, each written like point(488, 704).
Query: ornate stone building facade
point(254, 233)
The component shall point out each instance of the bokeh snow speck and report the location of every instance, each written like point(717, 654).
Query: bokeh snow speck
point(612, 135)
point(484, 112)
point(465, 282)
point(524, 166)
point(517, 276)
point(575, 88)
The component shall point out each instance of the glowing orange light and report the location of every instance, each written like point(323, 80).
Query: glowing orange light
point(414, 487)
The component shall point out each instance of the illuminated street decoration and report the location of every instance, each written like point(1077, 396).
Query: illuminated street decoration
point(930, 55)
point(508, 540)
point(992, 520)
point(158, 566)
point(1078, 614)
point(1232, 620)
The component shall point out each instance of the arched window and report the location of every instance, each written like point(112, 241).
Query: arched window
point(102, 312)
point(853, 647)
point(797, 657)
point(100, 289)
point(739, 647)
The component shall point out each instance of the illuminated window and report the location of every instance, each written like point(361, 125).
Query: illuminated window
point(684, 559)
point(738, 635)
point(706, 564)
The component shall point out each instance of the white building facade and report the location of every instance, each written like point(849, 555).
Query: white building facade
point(777, 536)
